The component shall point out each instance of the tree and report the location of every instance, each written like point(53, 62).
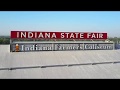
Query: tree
point(4, 40)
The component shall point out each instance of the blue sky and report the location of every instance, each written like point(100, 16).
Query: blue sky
point(63, 21)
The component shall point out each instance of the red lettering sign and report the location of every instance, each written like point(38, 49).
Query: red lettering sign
point(56, 35)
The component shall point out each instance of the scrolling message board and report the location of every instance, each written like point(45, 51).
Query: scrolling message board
point(27, 47)
point(57, 35)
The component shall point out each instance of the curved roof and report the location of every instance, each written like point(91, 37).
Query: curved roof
point(60, 59)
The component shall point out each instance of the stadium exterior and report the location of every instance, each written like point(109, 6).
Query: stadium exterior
point(83, 59)
point(27, 46)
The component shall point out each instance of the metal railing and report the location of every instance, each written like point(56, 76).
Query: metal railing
point(64, 65)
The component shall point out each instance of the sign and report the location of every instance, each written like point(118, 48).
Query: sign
point(27, 47)
point(57, 35)
point(102, 46)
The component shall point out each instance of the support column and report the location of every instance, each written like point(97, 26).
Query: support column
point(113, 45)
point(10, 45)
